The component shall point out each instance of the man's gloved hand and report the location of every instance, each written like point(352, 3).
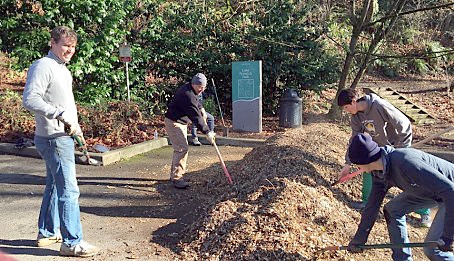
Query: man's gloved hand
point(211, 137)
point(69, 129)
point(446, 245)
point(354, 247)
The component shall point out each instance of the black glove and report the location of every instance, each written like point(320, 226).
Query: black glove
point(448, 245)
point(354, 247)
point(69, 129)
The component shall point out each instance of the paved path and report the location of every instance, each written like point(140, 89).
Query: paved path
point(122, 205)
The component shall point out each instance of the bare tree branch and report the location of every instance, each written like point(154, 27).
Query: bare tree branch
point(408, 12)
point(421, 56)
point(375, 41)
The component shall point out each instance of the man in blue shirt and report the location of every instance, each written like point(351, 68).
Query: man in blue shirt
point(426, 181)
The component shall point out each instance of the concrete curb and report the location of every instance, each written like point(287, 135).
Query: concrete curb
point(226, 141)
point(113, 156)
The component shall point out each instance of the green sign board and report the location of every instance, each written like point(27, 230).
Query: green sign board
point(247, 95)
point(246, 80)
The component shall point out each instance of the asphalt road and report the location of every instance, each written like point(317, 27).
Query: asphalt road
point(122, 205)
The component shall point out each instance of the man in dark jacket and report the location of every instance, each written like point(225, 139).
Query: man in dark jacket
point(425, 180)
point(183, 109)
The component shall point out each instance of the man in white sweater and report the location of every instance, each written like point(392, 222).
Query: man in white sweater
point(48, 94)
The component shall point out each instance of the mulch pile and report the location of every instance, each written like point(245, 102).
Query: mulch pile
point(282, 206)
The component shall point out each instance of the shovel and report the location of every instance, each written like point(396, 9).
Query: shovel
point(380, 246)
point(88, 160)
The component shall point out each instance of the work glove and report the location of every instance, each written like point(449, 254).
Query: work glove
point(69, 129)
point(445, 244)
point(211, 137)
point(354, 247)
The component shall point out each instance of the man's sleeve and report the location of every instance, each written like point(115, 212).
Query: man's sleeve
point(356, 128)
point(370, 212)
point(38, 78)
point(195, 114)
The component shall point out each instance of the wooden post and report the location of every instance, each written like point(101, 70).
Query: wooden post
point(431, 137)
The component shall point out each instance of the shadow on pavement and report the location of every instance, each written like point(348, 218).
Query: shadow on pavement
point(24, 247)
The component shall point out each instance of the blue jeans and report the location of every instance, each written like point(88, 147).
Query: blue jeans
point(210, 123)
point(60, 213)
point(395, 211)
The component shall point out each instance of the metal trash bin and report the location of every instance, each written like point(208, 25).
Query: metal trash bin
point(290, 109)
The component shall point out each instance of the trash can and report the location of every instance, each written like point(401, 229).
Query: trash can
point(290, 109)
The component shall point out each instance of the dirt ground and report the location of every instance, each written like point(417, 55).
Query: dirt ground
point(282, 206)
point(124, 206)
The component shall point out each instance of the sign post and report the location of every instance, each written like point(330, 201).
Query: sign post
point(125, 56)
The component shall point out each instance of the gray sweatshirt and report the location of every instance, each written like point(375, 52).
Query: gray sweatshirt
point(384, 122)
point(48, 93)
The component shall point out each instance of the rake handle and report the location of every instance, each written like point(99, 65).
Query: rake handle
point(381, 246)
point(224, 168)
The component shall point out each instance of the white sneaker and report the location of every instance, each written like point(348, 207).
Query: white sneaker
point(42, 241)
point(83, 249)
point(425, 220)
point(196, 142)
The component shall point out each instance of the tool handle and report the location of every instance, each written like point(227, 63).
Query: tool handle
point(402, 245)
point(82, 145)
point(347, 177)
point(78, 140)
point(380, 246)
point(219, 105)
point(224, 168)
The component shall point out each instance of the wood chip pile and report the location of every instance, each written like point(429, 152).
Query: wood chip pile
point(282, 206)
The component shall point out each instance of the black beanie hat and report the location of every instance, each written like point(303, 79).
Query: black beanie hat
point(363, 150)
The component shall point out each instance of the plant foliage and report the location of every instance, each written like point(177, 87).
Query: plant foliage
point(171, 41)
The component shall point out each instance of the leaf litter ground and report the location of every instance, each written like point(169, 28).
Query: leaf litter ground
point(282, 206)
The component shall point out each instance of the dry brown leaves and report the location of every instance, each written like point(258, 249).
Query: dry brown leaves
point(282, 206)
point(118, 124)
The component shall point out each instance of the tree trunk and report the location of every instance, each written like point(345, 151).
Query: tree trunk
point(375, 41)
point(335, 111)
